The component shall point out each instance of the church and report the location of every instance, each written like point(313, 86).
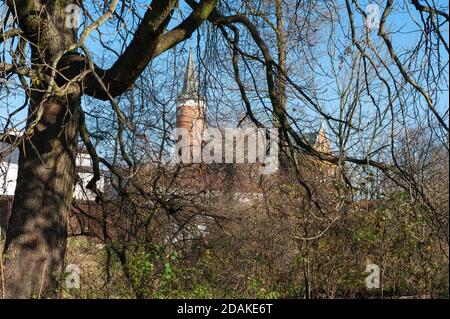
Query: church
point(191, 118)
point(242, 179)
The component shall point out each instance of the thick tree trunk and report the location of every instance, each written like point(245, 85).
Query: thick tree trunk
point(37, 232)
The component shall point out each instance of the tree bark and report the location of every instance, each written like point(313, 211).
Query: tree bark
point(37, 232)
point(284, 156)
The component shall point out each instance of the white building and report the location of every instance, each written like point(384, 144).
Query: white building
point(9, 166)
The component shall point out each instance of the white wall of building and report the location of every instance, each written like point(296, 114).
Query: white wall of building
point(8, 171)
point(9, 168)
point(8, 177)
point(81, 192)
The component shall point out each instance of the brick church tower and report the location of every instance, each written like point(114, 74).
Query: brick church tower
point(191, 105)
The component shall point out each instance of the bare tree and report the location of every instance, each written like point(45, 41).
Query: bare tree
point(62, 72)
point(289, 64)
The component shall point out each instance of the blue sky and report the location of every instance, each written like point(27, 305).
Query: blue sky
point(397, 21)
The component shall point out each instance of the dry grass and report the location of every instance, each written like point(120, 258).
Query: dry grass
point(89, 256)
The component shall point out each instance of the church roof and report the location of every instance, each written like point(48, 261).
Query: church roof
point(314, 138)
point(191, 87)
point(308, 137)
point(311, 137)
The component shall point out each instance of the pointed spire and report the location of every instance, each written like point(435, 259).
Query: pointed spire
point(322, 142)
point(321, 127)
point(190, 82)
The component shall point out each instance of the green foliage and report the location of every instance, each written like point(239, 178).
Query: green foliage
point(258, 258)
